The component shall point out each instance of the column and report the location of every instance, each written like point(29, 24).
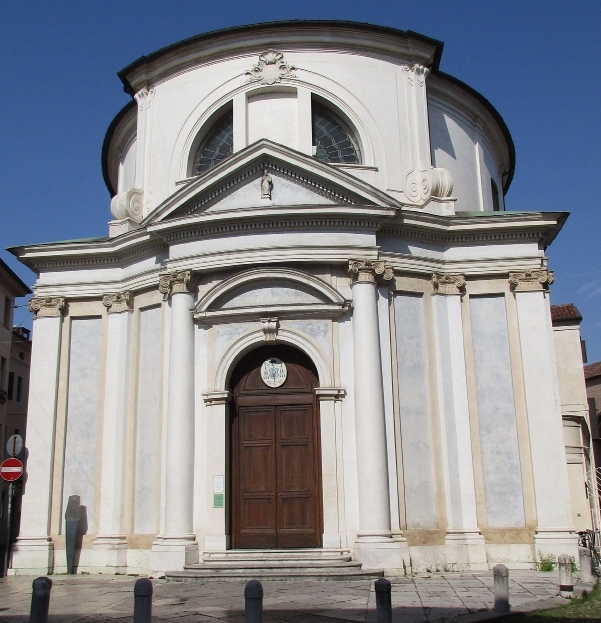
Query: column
point(177, 545)
point(555, 531)
point(374, 546)
point(34, 551)
point(464, 544)
point(110, 546)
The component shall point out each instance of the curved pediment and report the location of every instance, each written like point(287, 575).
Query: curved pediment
point(269, 292)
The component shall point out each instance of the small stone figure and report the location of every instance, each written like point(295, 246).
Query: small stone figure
point(266, 185)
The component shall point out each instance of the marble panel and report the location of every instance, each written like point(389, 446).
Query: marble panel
point(496, 413)
point(264, 294)
point(414, 407)
point(148, 436)
point(82, 415)
point(317, 330)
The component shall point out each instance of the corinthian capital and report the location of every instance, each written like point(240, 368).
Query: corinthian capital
point(176, 281)
point(531, 279)
point(366, 270)
point(44, 307)
point(117, 303)
point(447, 283)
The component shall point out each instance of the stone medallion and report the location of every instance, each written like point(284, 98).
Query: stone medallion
point(273, 372)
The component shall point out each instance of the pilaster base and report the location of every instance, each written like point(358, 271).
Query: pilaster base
point(173, 553)
point(380, 552)
point(109, 553)
point(555, 542)
point(465, 550)
point(334, 540)
point(32, 556)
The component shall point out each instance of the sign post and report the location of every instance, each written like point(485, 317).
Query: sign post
point(10, 470)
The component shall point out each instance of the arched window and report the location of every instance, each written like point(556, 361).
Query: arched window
point(332, 140)
point(495, 196)
point(217, 145)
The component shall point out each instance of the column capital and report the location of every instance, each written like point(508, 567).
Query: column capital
point(365, 270)
point(448, 283)
point(528, 280)
point(174, 282)
point(118, 302)
point(47, 306)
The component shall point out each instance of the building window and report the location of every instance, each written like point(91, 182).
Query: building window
point(217, 145)
point(496, 206)
point(11, 384)
point(7, 311)
point(19, 389)
point(2, 371)
point(333, 141)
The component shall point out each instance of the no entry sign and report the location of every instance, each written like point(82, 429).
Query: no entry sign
point(11, 469)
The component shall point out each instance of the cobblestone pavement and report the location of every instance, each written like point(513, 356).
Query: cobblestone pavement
point(439, 597)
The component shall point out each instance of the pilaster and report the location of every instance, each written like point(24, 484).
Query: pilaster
point(110, 546)
point(33, 552)
point(555, 533)
point(464, 544)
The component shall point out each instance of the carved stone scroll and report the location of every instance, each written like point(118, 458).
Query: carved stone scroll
point(366, 270)
point(176, 281)
point(531, 280)
point(448, 283)
point(117, 303)
point(45, 307)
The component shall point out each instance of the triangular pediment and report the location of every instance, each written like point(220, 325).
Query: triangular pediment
point(295, 180)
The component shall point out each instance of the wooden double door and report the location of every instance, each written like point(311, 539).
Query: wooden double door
point(276, 493)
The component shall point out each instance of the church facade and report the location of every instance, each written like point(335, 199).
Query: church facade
point(312, 323)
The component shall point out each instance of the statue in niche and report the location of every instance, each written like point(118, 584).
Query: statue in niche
point(266, 185)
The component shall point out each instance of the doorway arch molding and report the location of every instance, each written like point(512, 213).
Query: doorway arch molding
point(248, 342)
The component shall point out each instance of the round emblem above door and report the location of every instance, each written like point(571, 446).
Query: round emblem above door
point(273, 372)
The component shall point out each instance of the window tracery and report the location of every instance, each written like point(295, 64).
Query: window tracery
point(217, 145)
point(333, 142)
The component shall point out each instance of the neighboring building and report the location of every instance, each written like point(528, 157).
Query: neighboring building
point(15, 350)
point(312, 324)
point(592, 375)
point(578, 427)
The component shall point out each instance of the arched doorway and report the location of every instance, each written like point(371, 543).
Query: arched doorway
point(275, 453)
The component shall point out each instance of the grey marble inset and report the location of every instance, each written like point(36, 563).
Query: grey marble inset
point(148, 441)
point(82, 415)
point(414, 406)
point(496, 413)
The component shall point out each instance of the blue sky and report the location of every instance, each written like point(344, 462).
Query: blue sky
point(537, 62)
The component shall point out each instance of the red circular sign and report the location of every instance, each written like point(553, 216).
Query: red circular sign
point(11, 469)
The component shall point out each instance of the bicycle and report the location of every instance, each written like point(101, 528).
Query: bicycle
point(591, 539)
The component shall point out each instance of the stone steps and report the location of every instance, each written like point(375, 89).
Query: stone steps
point(269, 564)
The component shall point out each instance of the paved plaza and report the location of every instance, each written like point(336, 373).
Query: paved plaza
point(441, 597)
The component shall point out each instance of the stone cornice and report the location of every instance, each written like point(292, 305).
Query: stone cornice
point(529, 280)
point(448, 283)
point(118, 302)
point(174, 282)
point(366, 270)
point(49, 306)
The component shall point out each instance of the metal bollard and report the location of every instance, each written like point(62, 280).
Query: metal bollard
point(142, 601)
point(566, 585)
point(586, 566)
point(40, 600)
point(501, 590)
point(383, 601)
point(253, 602)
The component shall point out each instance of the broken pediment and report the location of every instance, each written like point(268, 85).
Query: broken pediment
point(266, 175)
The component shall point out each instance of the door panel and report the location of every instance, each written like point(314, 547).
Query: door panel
point(276, 493)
